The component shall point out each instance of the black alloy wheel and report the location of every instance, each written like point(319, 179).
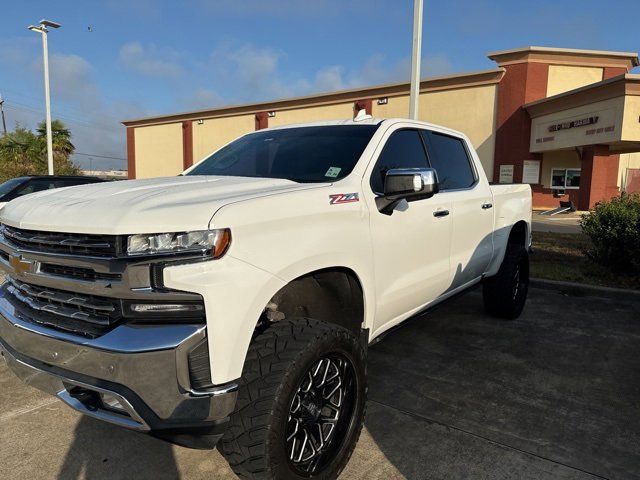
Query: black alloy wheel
point(505, 294)
point(320, 413)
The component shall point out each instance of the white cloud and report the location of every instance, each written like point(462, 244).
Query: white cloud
point(150, 60)
point(246, 73)
point(330, 78)
point(71, 78)
point(246, 70)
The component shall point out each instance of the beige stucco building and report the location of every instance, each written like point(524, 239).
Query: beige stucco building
point(566, 121)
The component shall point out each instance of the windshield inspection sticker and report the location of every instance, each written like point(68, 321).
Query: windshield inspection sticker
point(333, 172)
point(343, 198)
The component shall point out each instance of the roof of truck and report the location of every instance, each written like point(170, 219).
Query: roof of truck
point(368, 120)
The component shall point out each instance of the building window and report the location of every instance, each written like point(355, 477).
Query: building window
point(562, 178)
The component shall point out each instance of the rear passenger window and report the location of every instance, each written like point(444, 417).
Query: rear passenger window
point(403, 149)
point(448, 155)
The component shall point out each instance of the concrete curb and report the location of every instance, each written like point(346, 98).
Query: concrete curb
point(582, 289)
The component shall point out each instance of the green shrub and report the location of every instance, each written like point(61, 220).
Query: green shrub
point(614, 229)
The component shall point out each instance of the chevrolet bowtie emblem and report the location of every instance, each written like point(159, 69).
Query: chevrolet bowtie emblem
point(20, 265)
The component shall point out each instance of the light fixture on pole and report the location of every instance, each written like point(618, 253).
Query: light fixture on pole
point(43, 29)
point(415, 59)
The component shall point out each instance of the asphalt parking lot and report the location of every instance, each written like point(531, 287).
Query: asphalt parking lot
point(453, 394)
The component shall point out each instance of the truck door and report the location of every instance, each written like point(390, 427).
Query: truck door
point(472, 208)
point(410, 246)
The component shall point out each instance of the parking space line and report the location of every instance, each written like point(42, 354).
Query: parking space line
point(22, 411)
point(486, 439)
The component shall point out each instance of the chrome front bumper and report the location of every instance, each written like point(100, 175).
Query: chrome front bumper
point(141, 368)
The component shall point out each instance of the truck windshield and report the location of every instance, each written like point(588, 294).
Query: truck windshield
point(301, 154)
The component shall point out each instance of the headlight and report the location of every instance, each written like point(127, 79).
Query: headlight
point(215, 240)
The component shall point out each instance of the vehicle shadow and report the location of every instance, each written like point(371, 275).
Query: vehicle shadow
point(460, 394)
point(426, 375)
point(101, 451)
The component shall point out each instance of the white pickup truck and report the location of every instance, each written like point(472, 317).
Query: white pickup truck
point(233, 305)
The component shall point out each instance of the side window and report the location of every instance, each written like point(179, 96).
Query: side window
point(403, 149)
point(449, 156)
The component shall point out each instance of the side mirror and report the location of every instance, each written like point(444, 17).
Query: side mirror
point(407, 183)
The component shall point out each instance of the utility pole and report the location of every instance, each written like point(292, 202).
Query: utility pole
point(4, 122)
point(415, 59)
point(43, 30)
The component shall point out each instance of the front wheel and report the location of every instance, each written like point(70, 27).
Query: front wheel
point(505, 293)
point(301, 402)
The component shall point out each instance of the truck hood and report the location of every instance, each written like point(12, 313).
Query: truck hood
point(138, 206)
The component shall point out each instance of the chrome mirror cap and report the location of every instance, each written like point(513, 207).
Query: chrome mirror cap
point(407, 183)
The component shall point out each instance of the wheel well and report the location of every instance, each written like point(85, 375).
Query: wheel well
point(333, 295)
point(518, 234)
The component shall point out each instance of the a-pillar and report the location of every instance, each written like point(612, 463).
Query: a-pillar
point(599, 175)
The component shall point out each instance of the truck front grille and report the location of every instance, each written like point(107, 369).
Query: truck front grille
point(65, 243)
point(81, 314)
point(78, 273)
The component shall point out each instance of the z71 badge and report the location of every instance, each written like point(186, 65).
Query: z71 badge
point(343, 198)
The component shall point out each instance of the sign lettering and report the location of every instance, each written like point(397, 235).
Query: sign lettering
point(573, 124)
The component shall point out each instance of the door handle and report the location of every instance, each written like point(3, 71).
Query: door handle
point(487, 205)
point(441, 213)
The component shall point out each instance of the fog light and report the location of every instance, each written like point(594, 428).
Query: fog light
point(165, 307)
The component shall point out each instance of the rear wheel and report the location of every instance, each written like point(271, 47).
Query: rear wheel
point(505, 293)
point(301, 403)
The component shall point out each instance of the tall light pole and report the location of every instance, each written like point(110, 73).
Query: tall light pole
point(415, 60)
point(43, 30)
point(4, 123)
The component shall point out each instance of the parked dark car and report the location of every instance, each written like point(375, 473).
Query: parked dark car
point(17, 187)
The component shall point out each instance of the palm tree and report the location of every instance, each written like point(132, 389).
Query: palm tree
point(60, 137)
point(23, 152)
point(20, 154)
point(62, 147)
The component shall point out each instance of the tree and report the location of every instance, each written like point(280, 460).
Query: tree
point(23, 152)
point(60, 136)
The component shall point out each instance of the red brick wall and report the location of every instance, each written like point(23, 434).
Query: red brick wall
point(544, 197)
point(365, 104)
point(262, 120)
point(613, 72)
point(187, 144)
point(522, 83)
point(599, 176)
point(633, 180)
point(131, 152)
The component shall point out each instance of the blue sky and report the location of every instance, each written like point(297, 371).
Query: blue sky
point(144, 57)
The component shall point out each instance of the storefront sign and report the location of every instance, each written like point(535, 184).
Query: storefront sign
point(506, 173)
point(531, 171)
point(574, 123)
